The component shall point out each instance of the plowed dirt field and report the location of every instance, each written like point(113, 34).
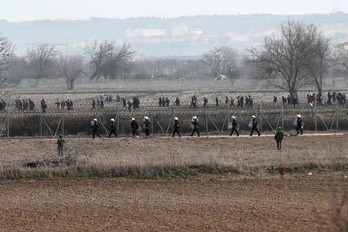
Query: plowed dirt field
point(300, 201)
point(295, 203)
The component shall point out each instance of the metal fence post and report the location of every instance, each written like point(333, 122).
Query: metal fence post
point(315, 116)
point(228, 115)
point(206, 121)
point(40, 123)
point(336, 115)
point(62, 129)
point(117, 118)
point(282, 114)
point(260, 113)
point(7, 124)
point(152, 118)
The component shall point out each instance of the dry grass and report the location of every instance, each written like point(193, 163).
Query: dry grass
point(167, 157)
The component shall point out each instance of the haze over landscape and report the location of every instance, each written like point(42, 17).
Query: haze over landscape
point(156, 29)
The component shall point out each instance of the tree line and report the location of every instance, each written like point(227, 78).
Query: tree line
point(297, 55)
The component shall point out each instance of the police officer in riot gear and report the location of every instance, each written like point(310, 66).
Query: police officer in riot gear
point(112, 128)
point(195, 125)
point(134, 125)
point(234, 126)
point(176, 127)
point(254, 126)
point(147, 125)
point(299, 126)
point(95, 128)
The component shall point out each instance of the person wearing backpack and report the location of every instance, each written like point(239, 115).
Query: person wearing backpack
point(279, 137)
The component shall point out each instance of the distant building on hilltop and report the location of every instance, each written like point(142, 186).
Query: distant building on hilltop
point(144, 33)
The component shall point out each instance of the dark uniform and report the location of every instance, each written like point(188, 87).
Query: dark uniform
point(43, 105)
point(234, 127)
point(299, 125)
point(176, 128)
point(147, 126)
point(195, 127)
point(95, 129)
point(254, 127)
point(60, 143)
point(134, 125)
point(279, 137)
point(112, 129)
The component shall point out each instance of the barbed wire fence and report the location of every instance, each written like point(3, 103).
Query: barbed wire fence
point(213, 119)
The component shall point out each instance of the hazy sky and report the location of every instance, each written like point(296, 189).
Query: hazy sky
point(24, 10)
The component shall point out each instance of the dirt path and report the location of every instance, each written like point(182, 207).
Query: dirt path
point(296, 203)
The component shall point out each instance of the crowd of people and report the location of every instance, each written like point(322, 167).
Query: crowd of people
point(61, 104)
point(241, 101)
point(24, 105)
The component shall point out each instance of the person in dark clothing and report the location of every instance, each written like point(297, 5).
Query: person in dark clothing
point(234, 126)
point(159, 101)
point(177, 102)
point(93, 104)
point(147, 125)
point(129, 103)
point(299, 127)
point(279, 137)
point(205, 102)
point(134, 125)
point(176, 127)
point(95, 128)
point(124, 103)
point(195, 126)
point(216, 101)
point(112, 128)
point(60, 143)
point(254, 126)
point(43, 105)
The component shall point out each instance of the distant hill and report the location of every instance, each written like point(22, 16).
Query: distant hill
point(153, 37)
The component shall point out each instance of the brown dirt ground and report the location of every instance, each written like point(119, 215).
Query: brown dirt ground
point(226, 203)
point(297, 202)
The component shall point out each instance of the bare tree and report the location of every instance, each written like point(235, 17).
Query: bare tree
point(285, 56)
point(222, 61)
point(42, 60)
point(71, 67)
point(6, 54)
point(18, 70)
point(341, 58)
point(320, 60)
point(107, 58)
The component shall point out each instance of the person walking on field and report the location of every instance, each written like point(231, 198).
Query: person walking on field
point(234, 126)
point(95, 128)
point(60, 143)
point(254, 126)
point(279, 137)
point(112, 128)
point(134, 125)
point(299, 127)
point(176, 127)
point(147, 125)
point(195, 126)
